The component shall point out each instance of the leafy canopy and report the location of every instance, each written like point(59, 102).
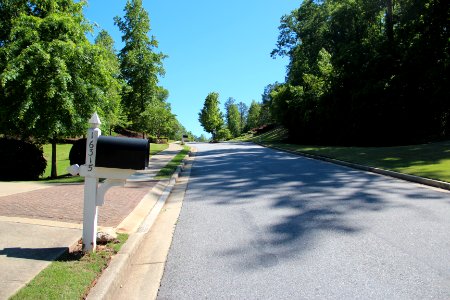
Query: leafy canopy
point(210, 116)
point(139, 63)
point(53, 78)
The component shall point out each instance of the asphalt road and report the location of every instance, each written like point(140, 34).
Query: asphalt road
point(262, 224)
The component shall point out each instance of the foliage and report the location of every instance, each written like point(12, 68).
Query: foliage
point(223, 134)
point(52, 77)
point(110, 109)
point(158, 120)
point(364, 72)
point(265, 116)
point(20, 160)
point(139, 63)
point(210, 116)
point(243, 113)
point(253, 119)
point(233, 119)
point(202, 138)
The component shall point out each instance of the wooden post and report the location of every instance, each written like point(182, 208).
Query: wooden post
point(90, 187)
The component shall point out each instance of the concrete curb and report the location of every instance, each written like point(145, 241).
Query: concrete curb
point(109, 282)
point(397, 175)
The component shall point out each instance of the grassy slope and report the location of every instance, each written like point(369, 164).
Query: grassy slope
point(428, 160)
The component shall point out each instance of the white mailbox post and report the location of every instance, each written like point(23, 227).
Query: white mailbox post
point(122, 157)
point(90, 210)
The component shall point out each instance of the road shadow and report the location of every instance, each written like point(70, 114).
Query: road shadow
point(288, 200)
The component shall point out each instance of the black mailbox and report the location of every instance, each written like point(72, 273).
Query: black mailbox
point(122, 153)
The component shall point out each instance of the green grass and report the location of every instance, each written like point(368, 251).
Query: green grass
point(428, 160)
point(275, 135)
point(62, 159)
point(70, 276)
point(170, 168)
point(156, 148)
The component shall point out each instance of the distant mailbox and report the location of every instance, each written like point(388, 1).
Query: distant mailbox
point(122, 153)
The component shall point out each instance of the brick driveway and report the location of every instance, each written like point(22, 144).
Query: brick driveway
point(64, 203)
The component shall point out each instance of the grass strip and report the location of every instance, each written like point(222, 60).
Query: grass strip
point(427, 160)
point(156, 148)
point(430, 160)
point(72, 275)
point(171, 166)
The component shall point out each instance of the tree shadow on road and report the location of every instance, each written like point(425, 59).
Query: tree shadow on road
point(287, 200)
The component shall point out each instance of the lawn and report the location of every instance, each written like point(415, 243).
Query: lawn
point(156, 148)
point(427, 160)
point(62, 159)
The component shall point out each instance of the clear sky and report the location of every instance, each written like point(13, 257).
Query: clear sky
point(213, 46)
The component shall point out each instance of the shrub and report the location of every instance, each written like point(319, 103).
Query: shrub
point(223, 134)
point(20, 160)
point(77, 154)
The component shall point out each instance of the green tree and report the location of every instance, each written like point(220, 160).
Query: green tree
point(368, 70)
point(223, 134)
point(54, 78)
point(243, 113)
point(233, 120)
point(202, 138)
point(254, 115)
point(158, 120)
point(140, 64)
point(111, 111)
point(210, 116)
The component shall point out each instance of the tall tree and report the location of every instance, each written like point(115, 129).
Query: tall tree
point(365, 71)
point(253, 115)
point(234, 120)
point(140, 64)
point(243, 112)
point(111, 111)
point(158, 120)
point(210, 116)
point(54, 78)
point(232, 117)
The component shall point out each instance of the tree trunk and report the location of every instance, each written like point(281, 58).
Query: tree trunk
point(54, 173)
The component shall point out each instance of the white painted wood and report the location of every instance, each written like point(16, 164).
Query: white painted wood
point(105, 186)
point(90, 210)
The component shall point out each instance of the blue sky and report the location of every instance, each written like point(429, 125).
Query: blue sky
point(213, 46)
